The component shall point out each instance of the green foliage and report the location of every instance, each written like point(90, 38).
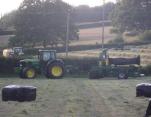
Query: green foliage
point(85, 13)
point(7, 20)
point(133, 71)
point(118, 40)
point(7, 65)
point(31, 51)
point(132, 14)
point(114, 30)
point(79, 65)
point(14, 41)
point(146, 70)
point(97, 73)
point(146, 36)
point(43, 22)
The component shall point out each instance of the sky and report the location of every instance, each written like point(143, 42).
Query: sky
point(9, 5)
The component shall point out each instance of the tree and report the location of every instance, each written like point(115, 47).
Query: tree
point(132, 15)
point(7, 20)
point(43, 21)
point(84, 13)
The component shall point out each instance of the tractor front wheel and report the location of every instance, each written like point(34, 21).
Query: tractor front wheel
point(29, 73)
point(55, 70)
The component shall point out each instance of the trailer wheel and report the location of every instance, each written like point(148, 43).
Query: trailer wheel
point(55, 70)
point(122, 76)
point(29, 73)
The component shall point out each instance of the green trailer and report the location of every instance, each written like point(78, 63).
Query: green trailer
point(122, 68)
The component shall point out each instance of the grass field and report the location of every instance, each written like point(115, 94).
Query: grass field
point(93, 36)
point(134, 51)
point(77, 97)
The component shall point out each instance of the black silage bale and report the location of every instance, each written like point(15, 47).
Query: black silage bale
point(143, 89)
point(19, 93)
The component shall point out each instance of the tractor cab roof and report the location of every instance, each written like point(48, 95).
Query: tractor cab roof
point(29, 60)
point(47, 50)
point(18, 47)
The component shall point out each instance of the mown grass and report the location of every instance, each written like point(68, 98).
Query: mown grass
point(77, 97)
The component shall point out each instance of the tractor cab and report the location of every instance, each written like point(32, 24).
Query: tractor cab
point(18, 50)
point(47, 55)
point(13, 52)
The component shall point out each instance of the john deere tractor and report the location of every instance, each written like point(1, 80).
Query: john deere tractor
point(46, 64)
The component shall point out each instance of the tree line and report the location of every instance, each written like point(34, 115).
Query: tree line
point(85, 13)
point(45, 21)
point(82, 13)
point(42, 22)
point(131, 15)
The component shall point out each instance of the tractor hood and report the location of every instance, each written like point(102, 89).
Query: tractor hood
point(30, 60)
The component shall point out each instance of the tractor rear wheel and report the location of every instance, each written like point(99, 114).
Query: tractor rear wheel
point(55, 70)
point(29, 73)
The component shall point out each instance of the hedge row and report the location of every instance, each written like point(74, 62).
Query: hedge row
point(80, 65)
point(146, 70)
point(34, 51)
point(7, 65)
point(73, 65)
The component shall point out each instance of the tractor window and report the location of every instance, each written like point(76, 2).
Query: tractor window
point(48, 55)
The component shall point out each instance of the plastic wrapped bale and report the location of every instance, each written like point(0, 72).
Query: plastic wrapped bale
point(19, 93)
point(96, 73)
point(143, 89)
point(148, 111)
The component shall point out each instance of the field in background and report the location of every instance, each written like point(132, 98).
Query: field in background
point(90, 36)
point(131, 39)
point(93, 36)
point(143, 51)
point(77, 97)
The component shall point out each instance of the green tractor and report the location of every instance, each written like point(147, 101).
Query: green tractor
point(46, 64)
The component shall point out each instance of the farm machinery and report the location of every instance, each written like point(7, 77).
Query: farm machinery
point(46, 64)
point(13, 52)
point(115, 67)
